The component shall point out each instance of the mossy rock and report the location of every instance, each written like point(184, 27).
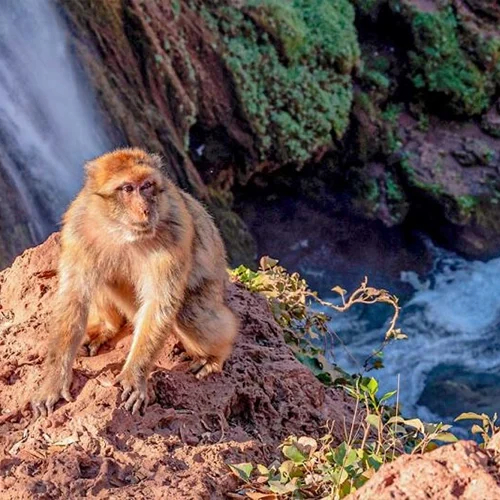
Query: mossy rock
point(378, 194)
point(240, 244)
point(291, 64)
point(444, 69)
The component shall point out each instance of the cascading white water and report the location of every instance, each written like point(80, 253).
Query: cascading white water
point(48, 123)
point(453, 319)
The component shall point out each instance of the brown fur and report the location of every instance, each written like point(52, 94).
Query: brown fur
point(136, 248)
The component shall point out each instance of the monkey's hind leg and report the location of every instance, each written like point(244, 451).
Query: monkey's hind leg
point(104, 322)
point(207, 333)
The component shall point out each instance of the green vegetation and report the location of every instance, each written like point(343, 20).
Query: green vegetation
point(441, 67)
point(291, 62)
point(377, 434)
point(393, 189)
point(304, 328)
point(467, 204)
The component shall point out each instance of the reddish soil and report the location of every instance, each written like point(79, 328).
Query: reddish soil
point(461, 470)
point(181, 446)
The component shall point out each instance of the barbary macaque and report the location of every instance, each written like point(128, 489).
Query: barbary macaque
point(135, 248)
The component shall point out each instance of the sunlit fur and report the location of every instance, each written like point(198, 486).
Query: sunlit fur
point(148, 254)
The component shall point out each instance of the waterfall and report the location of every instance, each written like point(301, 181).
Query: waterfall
point(48, 120)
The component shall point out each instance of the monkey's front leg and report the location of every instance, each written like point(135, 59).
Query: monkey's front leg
point(71, 317)
point(151, 327)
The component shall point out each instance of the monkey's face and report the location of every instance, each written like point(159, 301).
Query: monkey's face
point(135, 206)
point(129, 185)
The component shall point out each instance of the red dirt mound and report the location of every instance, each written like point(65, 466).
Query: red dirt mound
point(180, 447)
point(461, 470)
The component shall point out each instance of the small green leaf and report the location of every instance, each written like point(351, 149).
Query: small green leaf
point(372, 386)
point(476, 429)
point(263, 470)
point(286, 469)
point(446, 437)
point(350, 458)
point(283, 489)
point(416, 423)
point(307, 445)
point(243, 470)
point(294, 454)
point(396, 420)
point(387, 396)
point(373, 420)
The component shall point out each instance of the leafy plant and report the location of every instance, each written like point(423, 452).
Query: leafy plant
point(290, 63)
point(306, 329)
point(319, 468)
point(486, 429)
point(323, 468)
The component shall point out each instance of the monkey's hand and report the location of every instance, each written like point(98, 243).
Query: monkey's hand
point(52, 390)
point(135, 391)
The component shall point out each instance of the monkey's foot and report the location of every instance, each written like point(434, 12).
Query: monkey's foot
point(203, 367)
point(93, 347)
point(135, 391)
point(184, 356)
point(49, 394)
point(94, 343)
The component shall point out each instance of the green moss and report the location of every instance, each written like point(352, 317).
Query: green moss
point(372, 192)
point(291, 63)
point(390, 119)
point(467, 204)
point(423, 122)
point(377, 78)
point(367, 7)
point(393, 189)
point(176, 8)
point(442, 68)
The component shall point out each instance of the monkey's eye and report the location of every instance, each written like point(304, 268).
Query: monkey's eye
point(146, 185)
point(128, 188)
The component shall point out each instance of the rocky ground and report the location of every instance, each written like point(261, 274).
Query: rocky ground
point(181, 446)
point(461, 470)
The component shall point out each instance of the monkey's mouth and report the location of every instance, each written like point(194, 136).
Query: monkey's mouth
point(142, 228)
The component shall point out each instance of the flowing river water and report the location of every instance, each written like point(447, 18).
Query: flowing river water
point(450, 306)
point(451, 360)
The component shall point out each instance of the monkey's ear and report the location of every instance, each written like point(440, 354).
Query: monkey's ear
point(89, 166)
point(156, 160)
point(90, 169)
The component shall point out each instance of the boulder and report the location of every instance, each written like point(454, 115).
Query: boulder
point(461, 470)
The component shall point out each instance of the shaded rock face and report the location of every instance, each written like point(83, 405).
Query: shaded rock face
point(423, 145)
point(461, 470)
point(452, 175)
point(222, 89)
point(231, 92)
point(242, 86)
point(180, 447)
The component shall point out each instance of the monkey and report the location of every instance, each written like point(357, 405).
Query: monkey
point(136, 248)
